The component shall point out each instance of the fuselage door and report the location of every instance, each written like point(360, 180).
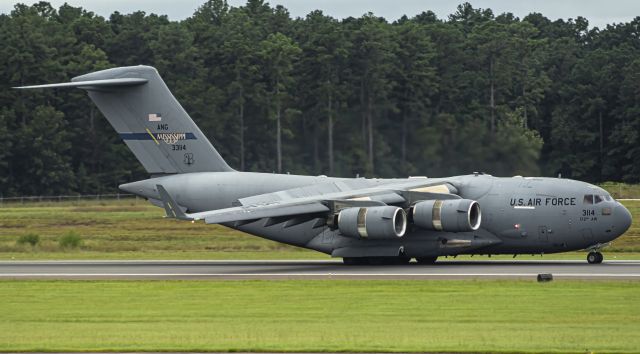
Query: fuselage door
point(543, 233)
point(587, 234)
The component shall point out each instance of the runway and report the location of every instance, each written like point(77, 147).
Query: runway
point(236, 270)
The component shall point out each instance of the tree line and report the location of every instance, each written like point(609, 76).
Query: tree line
point(362, 96)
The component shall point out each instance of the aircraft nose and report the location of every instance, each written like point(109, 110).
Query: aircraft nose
point(622, 219)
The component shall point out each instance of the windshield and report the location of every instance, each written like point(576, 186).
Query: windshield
point(595, 198)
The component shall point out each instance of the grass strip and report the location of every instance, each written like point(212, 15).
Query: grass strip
point(136, 230)
point(400, 316)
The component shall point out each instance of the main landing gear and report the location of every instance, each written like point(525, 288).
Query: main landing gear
point(595, 257)
point(399, 260)
point(376, 260)
point(426, 260)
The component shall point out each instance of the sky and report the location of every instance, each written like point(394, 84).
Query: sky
point(598, 12)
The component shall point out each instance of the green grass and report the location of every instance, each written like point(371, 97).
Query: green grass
point(473, 316)
point(622, 190)
point(134, 229)
point(126, 229)
point(190, 255)
point(630, 241)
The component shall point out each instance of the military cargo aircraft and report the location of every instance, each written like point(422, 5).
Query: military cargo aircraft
point(361, 220)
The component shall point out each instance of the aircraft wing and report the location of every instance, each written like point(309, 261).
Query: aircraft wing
point(259, 212)
point(272, 206)
point(241, 213)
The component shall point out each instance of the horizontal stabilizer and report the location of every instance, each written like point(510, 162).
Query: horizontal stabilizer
point(92, 83)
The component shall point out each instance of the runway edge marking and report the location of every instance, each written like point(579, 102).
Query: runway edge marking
point(128, 275)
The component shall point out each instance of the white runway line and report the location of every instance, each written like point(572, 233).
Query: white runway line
point(174, 261)
point(319, 261)
point(125, 275)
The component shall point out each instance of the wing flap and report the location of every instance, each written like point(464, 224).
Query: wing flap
point(239, 214)
point(260, 212)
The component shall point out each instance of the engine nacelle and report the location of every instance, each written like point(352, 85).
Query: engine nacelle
point(451, 215)
point(383, 222)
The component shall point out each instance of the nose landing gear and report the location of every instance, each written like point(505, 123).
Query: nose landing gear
point(595, 257)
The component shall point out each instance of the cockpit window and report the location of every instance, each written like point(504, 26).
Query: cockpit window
point(595, 199)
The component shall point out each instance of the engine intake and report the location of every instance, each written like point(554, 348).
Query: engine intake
point(451, 215)
point(383, 222)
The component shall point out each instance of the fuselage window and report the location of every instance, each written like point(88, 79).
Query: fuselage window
point(597, 199)
point(607, 198)
point(588, 199)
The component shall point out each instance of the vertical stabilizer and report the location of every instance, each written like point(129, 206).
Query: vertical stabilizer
point(138, 104)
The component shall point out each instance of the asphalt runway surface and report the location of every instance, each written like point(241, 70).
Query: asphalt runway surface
point(446, 269)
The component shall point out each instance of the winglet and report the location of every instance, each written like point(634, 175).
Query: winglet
point(170, 206)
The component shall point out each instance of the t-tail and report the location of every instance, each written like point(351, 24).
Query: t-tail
point(140, 107)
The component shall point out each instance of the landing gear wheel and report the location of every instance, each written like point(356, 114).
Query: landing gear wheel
point(595, 258)
point(354, 260)
point(426, 260)
point(399, 260)
point(376, 260)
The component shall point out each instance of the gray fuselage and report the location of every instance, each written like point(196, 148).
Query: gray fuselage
point(520, 215)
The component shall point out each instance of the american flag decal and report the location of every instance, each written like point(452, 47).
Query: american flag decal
point(155, 117)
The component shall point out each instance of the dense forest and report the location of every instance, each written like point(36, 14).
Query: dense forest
point(420, 95)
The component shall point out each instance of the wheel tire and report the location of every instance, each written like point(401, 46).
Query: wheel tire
point(375, 260)
point(402, 260)
point(352, 261)
point(371, 261)
point(600, 257)
point(426, 260)
point(380, 261)
point(592, 257)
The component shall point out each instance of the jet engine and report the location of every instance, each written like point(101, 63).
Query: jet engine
point(380, 222)
point(451, 215)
